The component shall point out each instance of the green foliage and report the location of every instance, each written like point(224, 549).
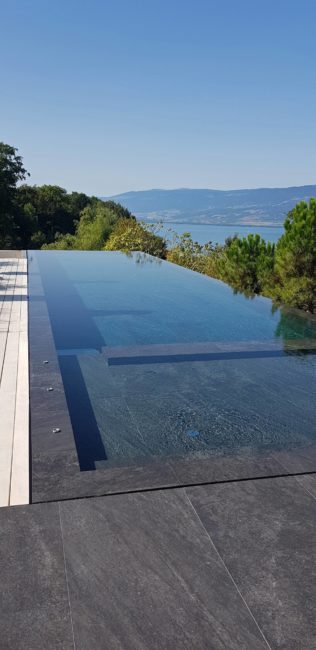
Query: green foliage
point(11, 171)
point(295, 258)
point(61, 243)
point(131, 235)
point(47, 212)
point(247, 264)
point(94, 227)
point(185, 252)
point(118, 209)
point(202, 258)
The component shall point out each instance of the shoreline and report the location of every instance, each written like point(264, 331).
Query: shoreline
point(220, 225)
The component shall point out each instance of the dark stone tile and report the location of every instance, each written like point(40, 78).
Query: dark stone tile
point(49, 411)
point(52, 471)
point(308, 483)
point(241, 464)
point(302, 459)
point(41, 339)
point(56, 475)
point(40, 329)
point(35, 630)
point(37, 310)
point(34, 610)
point(46, 407)
point(42, 376)
point(41, 349)
point(41, 352)
point(142, 573)
point(40, 379)
point(46, 402)
point(45, 442)
point(265, 532)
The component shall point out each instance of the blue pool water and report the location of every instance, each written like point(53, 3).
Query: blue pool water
point(159, 361)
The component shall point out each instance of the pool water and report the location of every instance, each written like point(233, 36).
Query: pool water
point(158, 361)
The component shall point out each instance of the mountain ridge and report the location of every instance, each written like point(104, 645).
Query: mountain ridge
point(258, 206)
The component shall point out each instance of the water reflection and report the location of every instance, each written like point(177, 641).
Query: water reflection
point(143, 258)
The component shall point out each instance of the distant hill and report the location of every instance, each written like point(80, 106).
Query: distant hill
point(264, 206)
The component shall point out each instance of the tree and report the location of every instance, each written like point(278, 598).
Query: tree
point(53, 211)
point(45, 213)
point(26, 215)
point(77, 201)
point(186, 252)
point(131, 235)
point(62, 243)
point(295, 258)
point(247, 264)
point(94, 228)
point(120, 211)
point(92, 221)
point(11, 172)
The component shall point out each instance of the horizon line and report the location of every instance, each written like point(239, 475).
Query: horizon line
point(208, 189)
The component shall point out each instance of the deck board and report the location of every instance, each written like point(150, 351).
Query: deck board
point(14, 382)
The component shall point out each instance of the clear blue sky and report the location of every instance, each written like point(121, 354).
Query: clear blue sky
point(110, 96)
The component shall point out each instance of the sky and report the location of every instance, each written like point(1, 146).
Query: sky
point(109, 96)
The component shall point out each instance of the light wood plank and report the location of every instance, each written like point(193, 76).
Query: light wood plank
point(19, 487)
point(7, 410)
point(14, 383)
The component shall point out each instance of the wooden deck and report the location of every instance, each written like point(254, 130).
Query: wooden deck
point(14, 381)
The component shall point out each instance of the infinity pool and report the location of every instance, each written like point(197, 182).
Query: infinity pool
point(161, 362)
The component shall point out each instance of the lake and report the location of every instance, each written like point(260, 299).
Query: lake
point(203, 233)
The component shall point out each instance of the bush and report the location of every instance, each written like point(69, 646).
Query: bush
point(202, 258)
point(131, 235)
